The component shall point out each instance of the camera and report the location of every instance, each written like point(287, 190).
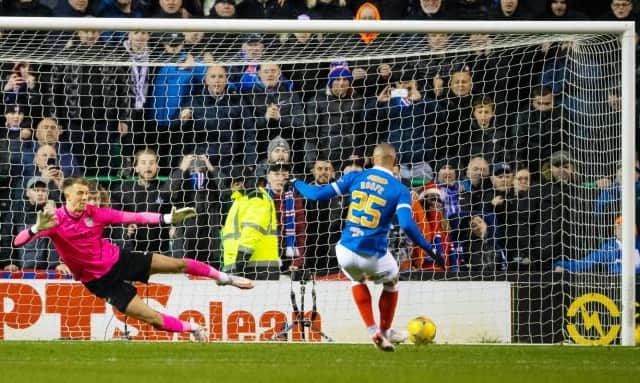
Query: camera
point(51, 162)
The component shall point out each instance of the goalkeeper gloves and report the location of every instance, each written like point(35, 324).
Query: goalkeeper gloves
point(45, 219)
point(178, 216)
point(438, 259)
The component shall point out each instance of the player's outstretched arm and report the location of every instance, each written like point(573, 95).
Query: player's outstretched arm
point(45, 221)
point(606, 255)
point(410, 228)
point(177, 216)
point(314, 192)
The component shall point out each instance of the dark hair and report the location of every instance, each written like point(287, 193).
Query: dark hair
point(447, 165)
point(540, 91)
point(482, 100)
point(322, 158)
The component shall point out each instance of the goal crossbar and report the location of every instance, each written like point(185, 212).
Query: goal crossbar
point(281, 26)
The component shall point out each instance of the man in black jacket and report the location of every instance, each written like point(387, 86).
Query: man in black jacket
point(217, 121)
point(146, 194)
point(538, 130)
point(335, 118)
point(84, 98)
point(277, 110)
point(324, 224)
point(566, 204)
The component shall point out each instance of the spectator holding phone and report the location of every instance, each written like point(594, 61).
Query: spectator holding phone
point(19, 84)
point(48, 132)
point(401, 112)
point(46, 166)
point(43, 157)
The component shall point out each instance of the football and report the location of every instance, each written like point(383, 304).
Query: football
point(422, 330)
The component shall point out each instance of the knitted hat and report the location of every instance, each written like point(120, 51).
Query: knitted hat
point(278, 142)
point(340, 71)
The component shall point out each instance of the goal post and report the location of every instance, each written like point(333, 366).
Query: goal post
point(580, 80)
point(628, 176)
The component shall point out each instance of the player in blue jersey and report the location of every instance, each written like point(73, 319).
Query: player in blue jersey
point(363, 254)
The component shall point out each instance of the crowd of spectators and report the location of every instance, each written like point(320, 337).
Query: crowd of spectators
point(327, 9)
point(504, 170)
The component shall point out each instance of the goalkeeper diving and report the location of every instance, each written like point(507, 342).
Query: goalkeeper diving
point(363, 251)
point(107, 270)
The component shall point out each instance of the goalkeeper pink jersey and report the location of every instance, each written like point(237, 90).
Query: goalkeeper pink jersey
point(79, 241)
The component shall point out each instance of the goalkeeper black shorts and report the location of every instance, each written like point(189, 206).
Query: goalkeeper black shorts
point(116, 286)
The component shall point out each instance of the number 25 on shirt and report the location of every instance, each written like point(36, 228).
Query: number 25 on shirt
point(363, 209)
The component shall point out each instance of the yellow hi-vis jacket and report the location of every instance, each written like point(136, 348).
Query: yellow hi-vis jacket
point(251, 226)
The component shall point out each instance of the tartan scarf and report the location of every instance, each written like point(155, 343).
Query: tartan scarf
point(289, 217)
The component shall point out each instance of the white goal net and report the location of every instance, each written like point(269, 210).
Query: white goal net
point(510, 142)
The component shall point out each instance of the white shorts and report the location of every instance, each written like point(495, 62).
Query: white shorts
point(360, 268)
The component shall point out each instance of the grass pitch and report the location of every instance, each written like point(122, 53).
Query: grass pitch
point(93, 362)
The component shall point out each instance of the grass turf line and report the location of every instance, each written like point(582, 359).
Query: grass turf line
point(93, 362)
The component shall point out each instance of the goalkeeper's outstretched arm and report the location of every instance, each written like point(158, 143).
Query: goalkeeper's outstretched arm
point(112, 216)
point(314, 192)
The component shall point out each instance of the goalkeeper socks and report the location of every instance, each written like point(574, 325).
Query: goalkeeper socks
point(362, 297)
point(387, 304)
point(203, 270)
point(173, 324)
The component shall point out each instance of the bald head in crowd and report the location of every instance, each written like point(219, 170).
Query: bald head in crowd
point(384, 155)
